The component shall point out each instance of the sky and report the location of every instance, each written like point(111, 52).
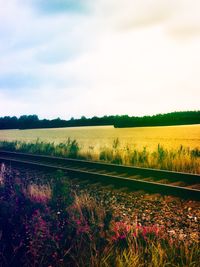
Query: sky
point(69, 58)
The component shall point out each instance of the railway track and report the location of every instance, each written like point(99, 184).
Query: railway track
point(184, 185)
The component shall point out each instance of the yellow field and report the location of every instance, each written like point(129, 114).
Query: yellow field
point(171, 148)
point(96, 138)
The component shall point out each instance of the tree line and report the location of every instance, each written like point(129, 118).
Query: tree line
point(33, 122)
point(174, 118)
point(118, 121)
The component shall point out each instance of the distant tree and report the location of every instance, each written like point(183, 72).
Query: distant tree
point(28, 122)
point(32, 121)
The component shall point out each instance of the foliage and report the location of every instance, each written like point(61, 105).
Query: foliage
point(32, 121)
point(173, 118)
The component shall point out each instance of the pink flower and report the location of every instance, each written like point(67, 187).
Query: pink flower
point(121, 230)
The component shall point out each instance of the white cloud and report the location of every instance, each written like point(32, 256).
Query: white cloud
point(186, 23)
point(135, 57)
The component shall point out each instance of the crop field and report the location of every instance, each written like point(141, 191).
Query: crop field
point(101, 136)
point(172, 148)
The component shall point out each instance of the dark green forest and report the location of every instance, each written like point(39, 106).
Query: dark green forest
point(118, 121)
point(174, 118)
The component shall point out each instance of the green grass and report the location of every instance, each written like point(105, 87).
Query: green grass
point(181, 159)
point(70, 148)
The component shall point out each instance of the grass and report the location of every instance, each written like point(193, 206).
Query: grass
point(181, 159)
point(68, 228)
point(38, 193)
point(70, 148)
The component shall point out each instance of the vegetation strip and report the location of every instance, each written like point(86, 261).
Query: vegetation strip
point(182, 159)
point(131, 183)
point(148, 172)
point(32, 121)
point(56, 221)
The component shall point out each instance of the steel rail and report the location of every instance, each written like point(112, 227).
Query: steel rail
point(119, 179)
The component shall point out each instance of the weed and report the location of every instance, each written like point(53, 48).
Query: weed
point(50, 224)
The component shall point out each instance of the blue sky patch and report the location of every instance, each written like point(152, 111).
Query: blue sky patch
point(14, 81)
point(59, 6)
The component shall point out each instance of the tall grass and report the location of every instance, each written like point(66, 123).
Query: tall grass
point(70, 148)
point(182, 159)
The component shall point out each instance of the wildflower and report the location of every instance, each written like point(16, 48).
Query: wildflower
point(120, 230)
point(146, 230)
point(83, 229)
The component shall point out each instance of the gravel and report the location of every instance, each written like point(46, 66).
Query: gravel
point(180, 218)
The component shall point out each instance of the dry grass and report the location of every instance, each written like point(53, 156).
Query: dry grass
point(181, 159)
point(38, 193)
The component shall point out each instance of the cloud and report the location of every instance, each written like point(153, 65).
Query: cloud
point(179, 18)
point(128, 14)
point(186, 23)
point(18, 80)
point(34, 45)
point(98, 57)
point(185, 32)
point(64, 47)
point(46, 102)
